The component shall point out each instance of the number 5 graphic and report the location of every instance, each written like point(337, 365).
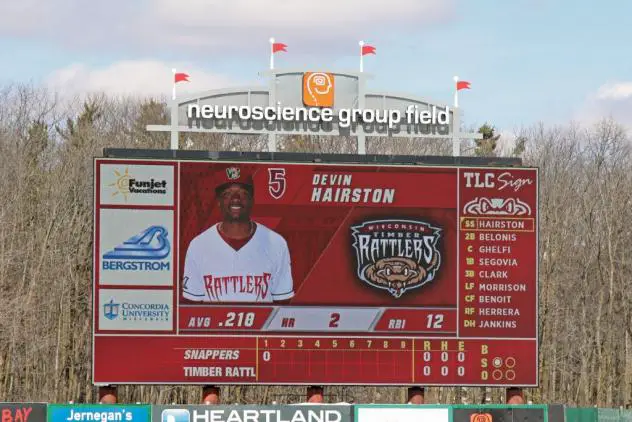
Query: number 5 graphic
point(276, 182)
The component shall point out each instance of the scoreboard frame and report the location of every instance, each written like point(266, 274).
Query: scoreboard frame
point(483, 163)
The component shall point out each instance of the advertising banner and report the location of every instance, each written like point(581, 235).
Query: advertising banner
point(402, 413)
point(22, 412)
point(299, 273)
point(500, 413)
point(555, 413)
point(252, 413)
point(99, 413)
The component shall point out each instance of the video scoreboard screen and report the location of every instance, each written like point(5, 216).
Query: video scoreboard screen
point(267, 272)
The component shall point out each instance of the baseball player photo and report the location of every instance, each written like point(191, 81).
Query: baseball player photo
point(237, 259)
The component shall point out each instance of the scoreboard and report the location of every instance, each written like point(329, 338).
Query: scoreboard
point(349, 274)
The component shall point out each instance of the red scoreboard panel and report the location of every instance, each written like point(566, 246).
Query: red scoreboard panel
point(218, 272)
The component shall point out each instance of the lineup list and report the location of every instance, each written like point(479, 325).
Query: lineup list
point(497, 254)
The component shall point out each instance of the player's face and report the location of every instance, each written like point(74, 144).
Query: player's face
point(235, 203)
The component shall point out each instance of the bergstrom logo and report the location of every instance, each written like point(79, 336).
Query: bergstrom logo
point(396, 255)
point(175, 415)
point(127, 185)
point(145, 251)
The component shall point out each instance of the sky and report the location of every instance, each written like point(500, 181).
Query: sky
point(528, 61)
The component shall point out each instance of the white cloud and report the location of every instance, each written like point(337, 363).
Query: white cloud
point(233, 25)
point(70, 21)
point(611, 100)
point(23, 17)
point(314, 17)
point(133, 78)
point(615, 91)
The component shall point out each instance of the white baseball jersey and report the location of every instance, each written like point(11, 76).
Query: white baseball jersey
point(258, 272)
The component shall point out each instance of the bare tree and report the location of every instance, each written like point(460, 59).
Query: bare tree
point(46, 164)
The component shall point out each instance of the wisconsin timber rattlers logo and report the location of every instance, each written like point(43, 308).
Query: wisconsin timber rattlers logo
point(396, 255)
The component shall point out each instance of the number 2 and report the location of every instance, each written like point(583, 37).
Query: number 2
point(333, 322)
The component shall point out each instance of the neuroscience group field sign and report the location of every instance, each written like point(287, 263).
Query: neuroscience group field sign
point(268, 272)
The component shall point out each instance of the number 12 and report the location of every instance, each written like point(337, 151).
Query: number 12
point(435, 320)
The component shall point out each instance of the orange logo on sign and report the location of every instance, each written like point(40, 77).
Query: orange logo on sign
point(318, 89)
point(481, 417)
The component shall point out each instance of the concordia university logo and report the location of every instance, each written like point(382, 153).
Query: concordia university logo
point(396, 255)
point(111, 309)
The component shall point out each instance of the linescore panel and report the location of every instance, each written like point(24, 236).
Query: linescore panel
point(325, 360)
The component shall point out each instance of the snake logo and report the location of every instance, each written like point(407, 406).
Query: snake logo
point(396, 255)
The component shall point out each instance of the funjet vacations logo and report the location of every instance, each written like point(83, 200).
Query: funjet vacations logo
point(126, 185)
point(396, 255)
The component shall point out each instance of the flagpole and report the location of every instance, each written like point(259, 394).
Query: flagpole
point(174, 114)
point(361, 56)
point(456, 142)
point(173, 81)
point(271, 53)
point(456, 92)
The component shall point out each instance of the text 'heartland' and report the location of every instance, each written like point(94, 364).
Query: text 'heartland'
point(265, 415)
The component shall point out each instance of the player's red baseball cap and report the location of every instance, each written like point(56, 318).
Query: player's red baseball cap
point(234, 176)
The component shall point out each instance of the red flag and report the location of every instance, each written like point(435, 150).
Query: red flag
point(278, 46)
point(462, 85)
point(181, 77)
point(368, 49)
